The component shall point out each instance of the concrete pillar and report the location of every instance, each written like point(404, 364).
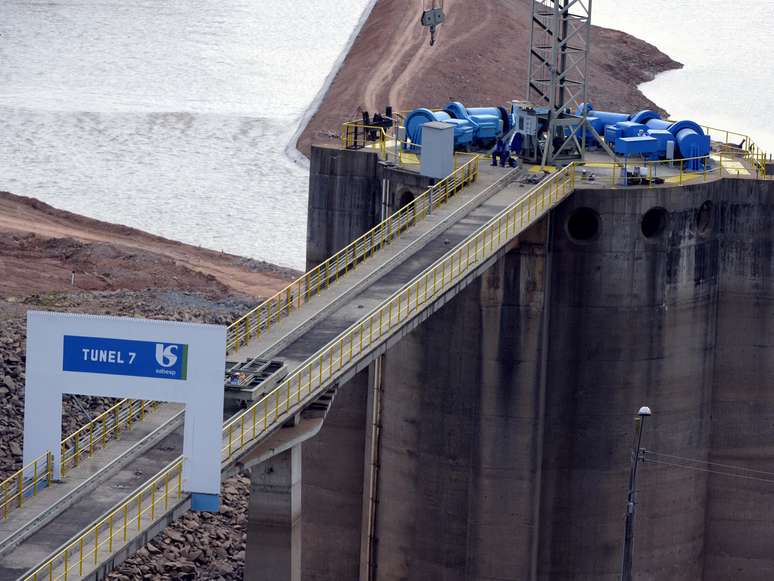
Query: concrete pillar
point(633, 323)
point(274, 521)
point(458, 452)
point(740, 527)
point(344, 199)
point(333, 487)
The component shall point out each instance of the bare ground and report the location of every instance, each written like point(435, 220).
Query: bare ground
point(480, 59)
point(40, 247)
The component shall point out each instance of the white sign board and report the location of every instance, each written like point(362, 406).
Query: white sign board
point(129, 358)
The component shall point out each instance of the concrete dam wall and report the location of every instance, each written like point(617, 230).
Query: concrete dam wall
point(493, 442)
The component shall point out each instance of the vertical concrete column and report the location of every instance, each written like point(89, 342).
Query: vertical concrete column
point(505, 467)
point(333, 487)
point(431, 392)
point(460, 419)
point(344, 199)
point(740, 528)
point(274, 521)
point(633, 323)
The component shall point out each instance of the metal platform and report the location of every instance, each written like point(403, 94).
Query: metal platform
point(252, 379)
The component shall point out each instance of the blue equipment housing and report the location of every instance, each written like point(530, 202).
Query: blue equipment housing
point(689, 138)
point(476, 125)
point(463, 129)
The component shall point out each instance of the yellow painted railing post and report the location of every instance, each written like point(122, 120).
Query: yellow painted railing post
point(126, 519)
point(50, 468)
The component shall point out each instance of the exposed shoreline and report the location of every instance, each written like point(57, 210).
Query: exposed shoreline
point(292, 150)
point(42, 247)
point(474, 61)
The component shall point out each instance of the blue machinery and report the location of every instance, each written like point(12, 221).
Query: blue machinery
point(644, 134)
point(480, 126)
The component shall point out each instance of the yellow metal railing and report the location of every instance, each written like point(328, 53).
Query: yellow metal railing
point(18, 486)
point(299, 292)
point(308, 379)
point(38, 474)
point(83, 552)
point(120, 525)
point(105, 427)
point(741, 145)
point(678, 175)
point(356, 135)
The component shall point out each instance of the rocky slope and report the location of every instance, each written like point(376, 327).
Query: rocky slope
point(199, 545)
point(124, 272)
point(480, 59)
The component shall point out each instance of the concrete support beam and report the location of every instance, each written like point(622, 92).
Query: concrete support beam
point(458, 451)
point(333, 487)
point(274, 521)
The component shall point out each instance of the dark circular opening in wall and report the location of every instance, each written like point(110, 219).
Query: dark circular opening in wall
point(583, 225)
point(704, 218)
point(406, 198)
point(654, 222)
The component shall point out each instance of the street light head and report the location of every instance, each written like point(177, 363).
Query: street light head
point(644, 411)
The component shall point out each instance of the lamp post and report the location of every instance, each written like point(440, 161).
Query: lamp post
point(631, 501)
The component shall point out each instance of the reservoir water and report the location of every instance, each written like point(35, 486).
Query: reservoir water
point(725, 46)
point(166, 115)
point(173, 116)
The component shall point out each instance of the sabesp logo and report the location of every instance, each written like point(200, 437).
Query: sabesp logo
point(166, 356)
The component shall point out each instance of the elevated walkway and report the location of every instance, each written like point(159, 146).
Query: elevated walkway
point(304, 331)
point(326, 330)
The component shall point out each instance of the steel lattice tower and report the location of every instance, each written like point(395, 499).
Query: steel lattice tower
point(558, 66)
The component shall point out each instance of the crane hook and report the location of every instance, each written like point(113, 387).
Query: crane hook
point(432, 18)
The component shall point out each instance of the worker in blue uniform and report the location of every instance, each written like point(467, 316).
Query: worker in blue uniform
point(497, 152)
point(516, 143)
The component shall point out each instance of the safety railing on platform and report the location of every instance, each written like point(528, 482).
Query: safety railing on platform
point(98, 432)
point(299, 292)
point(741, 145)
point(16, 487)
point(38, 474)
point(82, 554)
point(357, 135)
point(348, 347)
point(671, 172)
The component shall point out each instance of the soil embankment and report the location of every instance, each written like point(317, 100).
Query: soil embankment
point(125, 272)
point(480, 59)
point(41, 247)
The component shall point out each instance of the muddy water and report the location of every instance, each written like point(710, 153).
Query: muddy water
point(168, 116)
